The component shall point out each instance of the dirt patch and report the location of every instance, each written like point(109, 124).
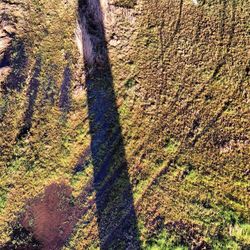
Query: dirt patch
point(51, 217)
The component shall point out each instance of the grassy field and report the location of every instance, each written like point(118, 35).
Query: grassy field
point(181, 75)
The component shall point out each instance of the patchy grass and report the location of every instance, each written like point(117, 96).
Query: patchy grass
point(241, 232)
point(3, 198)
point(164, 241)
point(188, 82)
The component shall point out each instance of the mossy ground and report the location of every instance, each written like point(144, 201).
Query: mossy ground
point(182, 87)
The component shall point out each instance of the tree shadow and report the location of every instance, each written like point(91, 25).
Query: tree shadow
point(64, 100)
point(21, 239)
point(117, 220)
point(32, 96)
point(53, 213)
point(14, 58)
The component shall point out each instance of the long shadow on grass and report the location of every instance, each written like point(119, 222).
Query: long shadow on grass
point(32, 96)
point(14, 57)
point(64, 100)
point(117, 221)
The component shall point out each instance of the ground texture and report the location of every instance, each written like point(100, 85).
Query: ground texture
point(132, 137)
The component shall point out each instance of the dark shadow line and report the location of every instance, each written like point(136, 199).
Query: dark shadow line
point(17, 64)
point(32, 96)
point(64, 100)
point(114, 199)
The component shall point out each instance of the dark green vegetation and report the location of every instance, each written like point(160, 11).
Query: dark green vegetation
point(181, 78)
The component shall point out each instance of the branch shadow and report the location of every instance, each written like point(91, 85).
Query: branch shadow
point(117, 220)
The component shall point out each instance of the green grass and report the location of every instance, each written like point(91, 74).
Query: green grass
point(164, 241)
point(171, 146)
point(3, 198)
point(159, 104)
point(241, 232)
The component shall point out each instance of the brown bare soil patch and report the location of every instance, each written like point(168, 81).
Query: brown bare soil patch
point(51, 217)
